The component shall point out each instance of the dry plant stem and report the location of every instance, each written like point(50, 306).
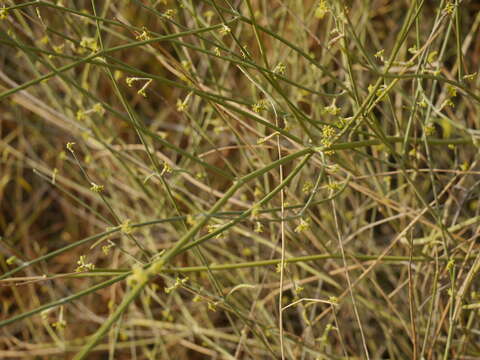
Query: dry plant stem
point(282, 263)
point(411, 303)
point(349, 284)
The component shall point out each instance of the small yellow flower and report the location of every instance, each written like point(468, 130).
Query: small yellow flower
point(170, 13)
point(83, 265)
point(212, 228)
point(224, 30)
point(61, 324)
point(333, 300)
point(88, 159)
point(70, 146)
point(167, 315)
point(307, 187)
point(449, 8)
point(167, 169)
point(181, 105)
point(130, 80)
point(81, 115)
point(45, 40)
point(11, 260)
point(126, 227)
point(98, 108)
point(413, 50)
point(190, 220)
point(432, 56)
point(280, 69)
point(452, 91)
point(247, 252)
point(144, 35)
point(328, 131)
point(58, 48)
point(321, 10)
point(178, 283)
point(422, 104)
point(97, 188)
point(447, 103)
point(106, 249)
point(208, 15)
point(3, 13)
point(139, 275)
point(261, 105)
point(278, 267)
point(89, 43)
point(342, 122)
point(450, 264)
point(212, 306)
point(332, 109)
point(258, 227)
point(429, 129)
point(379, 54)
point(303, 226)
point(333, 186)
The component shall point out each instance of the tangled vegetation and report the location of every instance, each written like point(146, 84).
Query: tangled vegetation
point(239, 179)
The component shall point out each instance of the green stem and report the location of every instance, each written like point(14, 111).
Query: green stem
point(64, 300)
point(108, 324)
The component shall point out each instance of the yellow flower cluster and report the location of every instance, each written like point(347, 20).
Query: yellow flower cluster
point(83, 265)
